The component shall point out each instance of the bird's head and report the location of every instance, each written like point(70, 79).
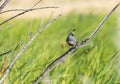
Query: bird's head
point(72, 33)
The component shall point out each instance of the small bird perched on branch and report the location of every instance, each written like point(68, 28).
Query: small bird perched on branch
point(71, 41)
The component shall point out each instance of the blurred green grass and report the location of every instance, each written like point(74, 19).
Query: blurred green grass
point(96, 63)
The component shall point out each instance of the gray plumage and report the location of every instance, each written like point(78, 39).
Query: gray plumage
point(70, 39)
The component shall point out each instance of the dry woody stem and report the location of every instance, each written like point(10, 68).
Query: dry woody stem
point(4, 4)
point(60, 59)
point(25, 47)
point(24, 11)
point(9, 51)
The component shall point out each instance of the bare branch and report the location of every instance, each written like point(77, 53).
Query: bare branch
point(24, 13)
point(36, 3)
point(60, 59)
point(4, 4)
point(12, 10)
point(16, 9)
point(7, 52)
point(101, 23)
point(24, 48)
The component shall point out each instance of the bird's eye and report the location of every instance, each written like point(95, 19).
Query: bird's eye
point(73, 34)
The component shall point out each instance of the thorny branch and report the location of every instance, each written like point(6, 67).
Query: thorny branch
point(60, 59)
point(25, 47)
point(4, 4)
point(24, 13)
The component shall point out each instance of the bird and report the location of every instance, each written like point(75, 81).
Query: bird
point(71, 41)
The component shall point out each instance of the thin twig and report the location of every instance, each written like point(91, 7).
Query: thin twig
point(24, 13)
point(20, 9)
point(4, 64)
point(9, 51)
point(4, 4)
point(60, 59)
point(13, 10)
point(24, 48)
point(36, 3)
point(101, 23)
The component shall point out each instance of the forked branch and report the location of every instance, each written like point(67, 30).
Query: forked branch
point(32, 9)
point(25, 11)
point(25, 47)
point(60, 59)
point(9, 51)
